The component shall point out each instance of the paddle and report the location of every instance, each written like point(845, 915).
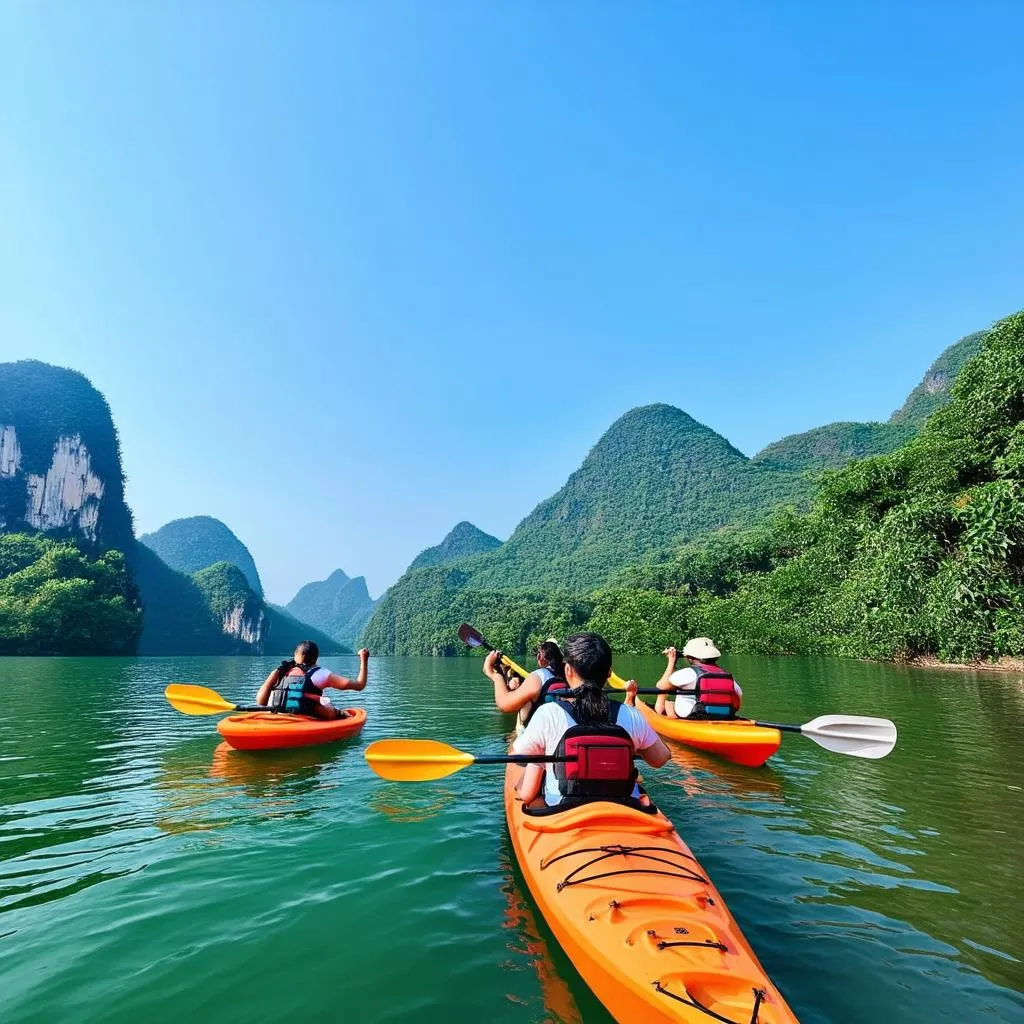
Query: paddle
point(854, 735)
point(427, 760)
point(201, 700)
point(471, 638)
point(846, 734)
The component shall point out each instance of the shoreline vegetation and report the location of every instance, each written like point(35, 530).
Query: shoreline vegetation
point(899, 542)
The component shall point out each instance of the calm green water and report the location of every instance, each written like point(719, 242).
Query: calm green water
point(146, 873)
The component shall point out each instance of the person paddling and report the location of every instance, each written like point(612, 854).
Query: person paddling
point(297, 686)
point(702, 689)
point(539, 686)
point(602, 736)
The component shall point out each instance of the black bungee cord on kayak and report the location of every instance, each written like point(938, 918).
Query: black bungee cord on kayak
point(759, 995)
point(605, 852)
point(575, 877)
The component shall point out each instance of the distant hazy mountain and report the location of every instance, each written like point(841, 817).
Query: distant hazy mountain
point(338, 605)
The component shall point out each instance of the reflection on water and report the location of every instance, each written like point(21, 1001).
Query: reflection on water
point(145, 867)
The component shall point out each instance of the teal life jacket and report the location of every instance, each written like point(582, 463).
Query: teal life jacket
point(296, 693)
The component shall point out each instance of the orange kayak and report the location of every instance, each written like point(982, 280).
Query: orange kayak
point(264, 730)
point(638, 916)
point(741, 740)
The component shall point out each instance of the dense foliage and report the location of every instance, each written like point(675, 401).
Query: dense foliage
point(834, 445)
point(190, 545)
point(56, 598)
point(909, 553)
point(44, 403)
point(462, 541)
point(917, 552)
point(338, 606)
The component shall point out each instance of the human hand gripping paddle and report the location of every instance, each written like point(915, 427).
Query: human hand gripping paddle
point(854, 735)
point(201, 700)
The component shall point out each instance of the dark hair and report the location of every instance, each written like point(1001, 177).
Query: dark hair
point(591, 657)
point(553, 656)
point(309, 654)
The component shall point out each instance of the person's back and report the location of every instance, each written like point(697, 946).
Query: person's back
point(702, 689)
point(590, 715)
point(297, 686)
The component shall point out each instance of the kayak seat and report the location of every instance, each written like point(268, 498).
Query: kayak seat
point(539, 809)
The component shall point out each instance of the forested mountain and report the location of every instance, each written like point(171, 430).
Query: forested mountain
point(662, 508)
point(198, 542)
point(338, 606)
point(60, 458)
point(835, 444)
point(462, 541)
point(919, 552)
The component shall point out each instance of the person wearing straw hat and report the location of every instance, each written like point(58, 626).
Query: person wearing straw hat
point(702, 689)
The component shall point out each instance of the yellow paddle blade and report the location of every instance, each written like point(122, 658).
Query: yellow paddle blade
point(509, 663)
point(415, 760)
point(617, 681)
point(196, 700)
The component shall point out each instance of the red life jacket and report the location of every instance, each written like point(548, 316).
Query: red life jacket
point(603, 766)
point(716, 691)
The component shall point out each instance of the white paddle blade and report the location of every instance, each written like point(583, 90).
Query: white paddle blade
point(853, 735)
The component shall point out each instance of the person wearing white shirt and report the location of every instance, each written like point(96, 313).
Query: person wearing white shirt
point(702, 654)
point(588, 665)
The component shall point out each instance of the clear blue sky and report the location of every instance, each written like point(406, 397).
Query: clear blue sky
point(349, 273)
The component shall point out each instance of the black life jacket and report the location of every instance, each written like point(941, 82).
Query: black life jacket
point(715, 693)
point(549, 692)
point(295, 692)
point(603, 767)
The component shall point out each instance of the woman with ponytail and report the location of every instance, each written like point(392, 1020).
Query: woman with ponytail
point(297, 686)
point(588, 664)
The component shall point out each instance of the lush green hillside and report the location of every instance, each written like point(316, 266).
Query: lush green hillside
point(463, 541)
point(190, 545)
point(656, 478)
point(338, 606)
point(59, 598)
point(40, 407)
point(176, 616)
point(934, 390)
point(834, 445)
point(666, 530)
point(920, 552)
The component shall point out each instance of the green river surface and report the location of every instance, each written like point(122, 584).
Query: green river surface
point(148, 873)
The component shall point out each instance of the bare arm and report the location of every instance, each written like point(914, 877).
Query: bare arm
point(663, 683)
point(656, 754)
point(504, 698)
point(344, 683)
point(530, 784)
point(268, 684)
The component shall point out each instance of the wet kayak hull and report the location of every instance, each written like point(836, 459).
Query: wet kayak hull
point(739, 741)
point(639, 917)
point(263, 730)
